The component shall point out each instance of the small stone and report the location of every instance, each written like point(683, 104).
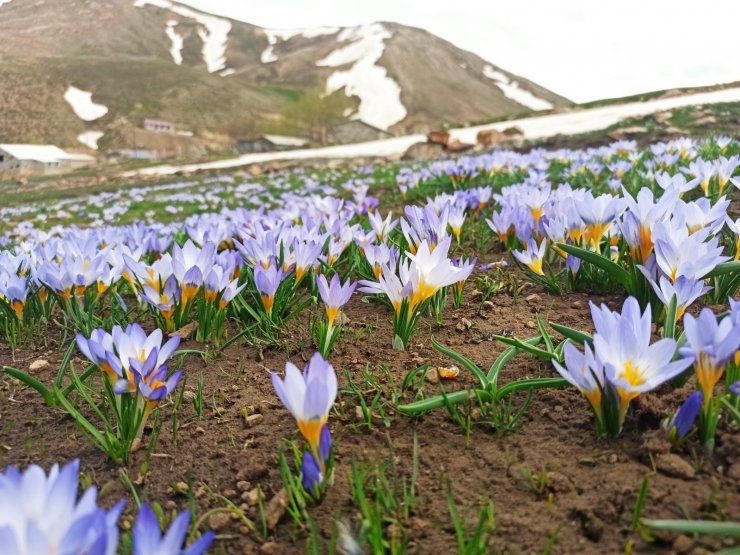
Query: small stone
point(253, 419)
point(488, 304)
point(185, 332)
point(269, 548)
point(734, 471)
point(229, 493)
point(359, 415)
point(559, 483)
point(432, 376)
point(251, 497)
point(243, 485)
point(671, 464)
point(39, 364)
point(188, 395)
point(170, 505)
point(612, 458)
point(533, 298)
point(276, 507)
point(530, 325)
point(683, 544)
point(181, 487)
point(200, 430)
point(219, 521)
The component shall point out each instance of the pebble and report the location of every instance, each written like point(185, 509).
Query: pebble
point(251, 497)
point(276, 508)
point(39, 364)
point(683, 544)
point(530, 324)
point(253, 419)
point(219, 521)
point(243, 485)
point(269, 548)
point(534, 297)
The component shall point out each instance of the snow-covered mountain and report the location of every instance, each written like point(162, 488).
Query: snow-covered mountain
point(73, 69)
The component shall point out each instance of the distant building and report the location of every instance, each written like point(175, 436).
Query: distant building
point(356, 131)
point(134, 154)
point(269, 143)
point(40, 159)
point(159, 126)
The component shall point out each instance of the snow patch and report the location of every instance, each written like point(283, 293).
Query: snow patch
point(380, 96)
point(83, 105)
point(274, 35)
point(214, 31)
point(90, 139)
point(227, 72)
point(513, 91)
point(4, 2)
point(177, 41)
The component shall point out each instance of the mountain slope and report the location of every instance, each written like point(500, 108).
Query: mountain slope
point(223, 79)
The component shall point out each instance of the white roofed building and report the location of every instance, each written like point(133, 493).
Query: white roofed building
point(39, 159)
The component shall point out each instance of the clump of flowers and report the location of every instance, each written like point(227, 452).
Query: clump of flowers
point(622, 364)
point(42, 514)
point(412, 281)
point(137, 380)
point(309, 396)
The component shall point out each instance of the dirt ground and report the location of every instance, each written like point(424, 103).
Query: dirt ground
point(554, 486)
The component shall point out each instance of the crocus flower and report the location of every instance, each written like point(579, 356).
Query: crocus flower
point(382, 227)
point(308, 396)
point(148, 539)
point(311, 475)
point(709, 345)
point(584, 372)
point(334, 295)
point(431, 271)
point(267, 282)
point(631, 363)
point(533, 256)
point(735, 388)
point(41, 514)
point(681, 423)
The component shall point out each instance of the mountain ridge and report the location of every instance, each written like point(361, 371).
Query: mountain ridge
point(222, 78)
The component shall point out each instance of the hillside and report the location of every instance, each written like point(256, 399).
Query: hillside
point(224, 79)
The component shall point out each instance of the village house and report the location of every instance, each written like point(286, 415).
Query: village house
point(22, 159)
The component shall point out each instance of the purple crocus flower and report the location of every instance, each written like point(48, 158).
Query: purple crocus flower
point(148, 539)
point(335, 295)
point(681, 423)
point(735, 388)
point(267, 280)
point(308, 396)
point(311, 475)
point(710, 345)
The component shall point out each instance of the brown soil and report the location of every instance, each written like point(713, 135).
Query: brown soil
point(584, 506)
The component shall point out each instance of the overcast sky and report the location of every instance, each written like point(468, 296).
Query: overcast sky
point(582, 49)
